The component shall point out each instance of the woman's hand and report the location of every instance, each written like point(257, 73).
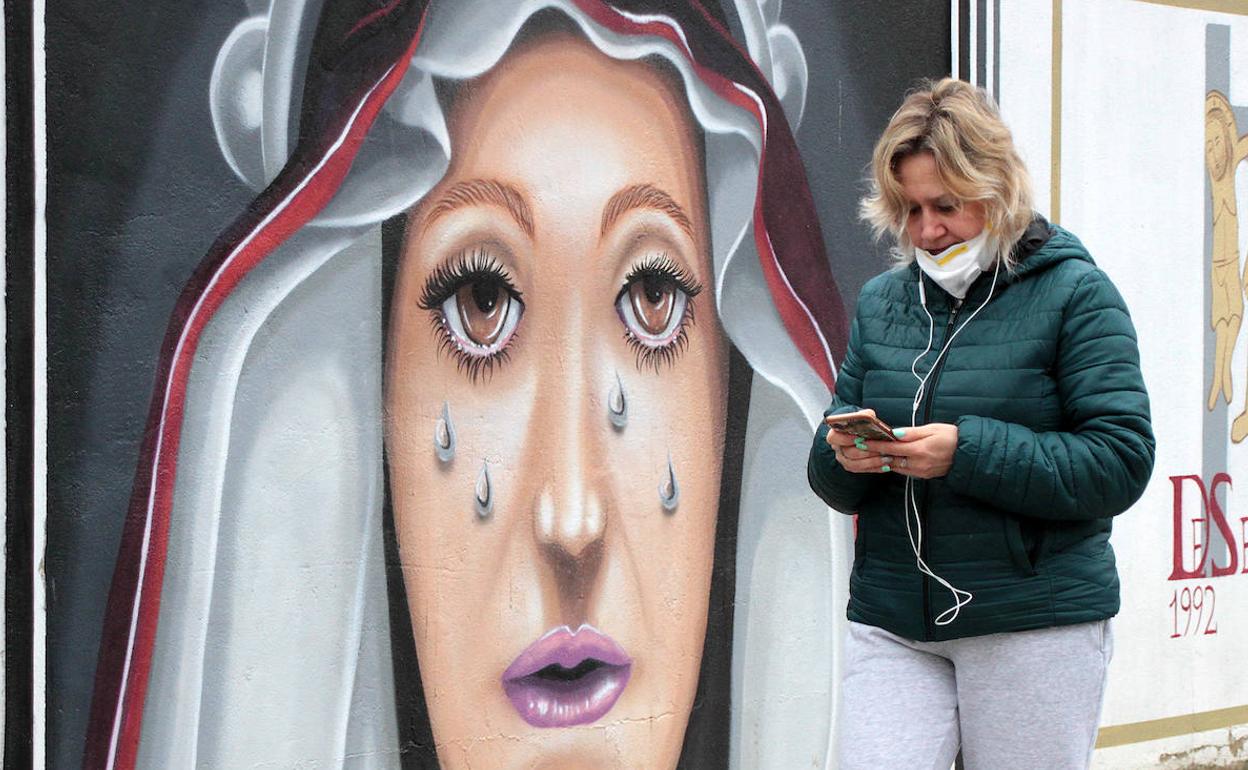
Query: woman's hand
point(924, 451)
point(853, 453)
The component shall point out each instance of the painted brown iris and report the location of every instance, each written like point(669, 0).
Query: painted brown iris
point(653, 298)
point(483, 309)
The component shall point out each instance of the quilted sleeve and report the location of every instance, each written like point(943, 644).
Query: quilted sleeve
point(839, 488)
point(1100, 465)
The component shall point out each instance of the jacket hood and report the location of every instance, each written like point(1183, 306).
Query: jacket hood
point(1043, 245)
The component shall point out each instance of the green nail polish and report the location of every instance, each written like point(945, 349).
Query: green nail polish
point(885, 468)
point(899, 432)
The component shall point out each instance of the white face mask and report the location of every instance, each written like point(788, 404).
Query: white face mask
point(954, 269)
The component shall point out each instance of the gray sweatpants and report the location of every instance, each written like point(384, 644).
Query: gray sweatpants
point(1014, 701)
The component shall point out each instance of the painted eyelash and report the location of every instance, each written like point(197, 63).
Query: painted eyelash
point(657, 358)
point(461, 269)
point(446, 279)
point(662, 266)
point(474, 367)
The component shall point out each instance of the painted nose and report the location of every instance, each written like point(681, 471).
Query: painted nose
point(569, 521)
point(569, 524)
point(569, 509)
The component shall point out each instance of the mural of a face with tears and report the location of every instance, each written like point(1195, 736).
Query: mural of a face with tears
point(453, 421)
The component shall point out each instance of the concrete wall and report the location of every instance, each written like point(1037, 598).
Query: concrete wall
point(1111, 104)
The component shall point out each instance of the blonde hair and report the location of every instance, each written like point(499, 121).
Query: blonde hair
point(975, 159)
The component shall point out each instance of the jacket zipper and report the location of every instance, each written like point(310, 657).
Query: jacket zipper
point(930, 397)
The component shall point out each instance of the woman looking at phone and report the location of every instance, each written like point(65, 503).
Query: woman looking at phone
point(983, 577)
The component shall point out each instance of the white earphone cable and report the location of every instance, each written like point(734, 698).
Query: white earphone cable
point(961, 598)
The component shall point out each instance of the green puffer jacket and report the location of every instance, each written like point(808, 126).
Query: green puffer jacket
point(1054, 439)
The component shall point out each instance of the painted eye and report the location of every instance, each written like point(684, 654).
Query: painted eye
point(475, 309)
point(482, 314)
point(655, 305)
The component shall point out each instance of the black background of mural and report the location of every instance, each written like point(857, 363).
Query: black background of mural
point(137, 190)
point(18, 355)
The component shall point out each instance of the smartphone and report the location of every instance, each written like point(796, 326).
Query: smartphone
point(871, 428)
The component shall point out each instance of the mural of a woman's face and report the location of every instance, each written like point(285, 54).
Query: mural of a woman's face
point(565, 253)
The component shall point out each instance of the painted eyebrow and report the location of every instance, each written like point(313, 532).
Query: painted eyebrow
point(483, 192)
point(644, 196)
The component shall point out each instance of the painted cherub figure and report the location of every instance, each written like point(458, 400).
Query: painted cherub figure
point(1223, 151)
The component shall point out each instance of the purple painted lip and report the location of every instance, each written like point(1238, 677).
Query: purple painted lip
point(567, 677)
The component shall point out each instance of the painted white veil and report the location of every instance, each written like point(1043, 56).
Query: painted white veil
point(272, 646)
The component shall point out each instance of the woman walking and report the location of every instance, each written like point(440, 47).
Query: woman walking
point(1007, 364)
